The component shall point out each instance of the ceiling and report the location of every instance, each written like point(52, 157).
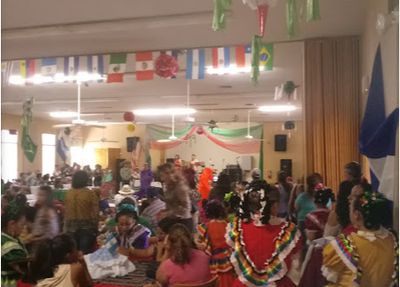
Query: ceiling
point(58, 28)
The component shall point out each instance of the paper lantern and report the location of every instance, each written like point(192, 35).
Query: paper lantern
point(129, 117)
point(166, 66)
point(131, 128)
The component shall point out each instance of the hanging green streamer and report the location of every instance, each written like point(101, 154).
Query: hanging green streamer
point(28, 146)
point(237, 133)
point(219, 18)
point(261, 165)
point(255, 60)
point(312, 10)
point(290, 17)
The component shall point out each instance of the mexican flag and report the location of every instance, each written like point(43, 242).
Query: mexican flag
point(116, 68)
point(144, 66)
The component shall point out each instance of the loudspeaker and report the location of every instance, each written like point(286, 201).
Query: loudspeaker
point(131, 143)
point(286, 165)
point(280, 142)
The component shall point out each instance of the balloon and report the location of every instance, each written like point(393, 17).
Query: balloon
point(129, 117)
point(131, 128)
point(200, 131)
point(166, 66)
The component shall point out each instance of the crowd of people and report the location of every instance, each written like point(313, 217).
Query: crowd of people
point(192, 229)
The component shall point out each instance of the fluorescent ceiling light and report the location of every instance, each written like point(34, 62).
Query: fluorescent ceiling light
point(38, 79)
point(232, 69)
point(277, 108)
point(64, 114)
point(164, 112)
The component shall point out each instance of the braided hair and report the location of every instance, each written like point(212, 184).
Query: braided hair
point(249, 202)
point(372, 205)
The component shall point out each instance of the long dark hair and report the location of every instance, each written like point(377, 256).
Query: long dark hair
point(312, 180)
point(181, 244)
point(245, 208)
point(48, 254)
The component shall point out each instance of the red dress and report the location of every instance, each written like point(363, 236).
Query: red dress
point(316, 221)
point(213, 235)
point(262, 254)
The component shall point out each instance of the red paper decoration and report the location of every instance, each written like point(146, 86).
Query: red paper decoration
point(200, 131)
point(166, 66)
point(129, 117)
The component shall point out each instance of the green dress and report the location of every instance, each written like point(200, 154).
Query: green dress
point(12, 250)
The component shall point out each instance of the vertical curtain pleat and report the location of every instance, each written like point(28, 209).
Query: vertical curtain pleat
point(331, 106)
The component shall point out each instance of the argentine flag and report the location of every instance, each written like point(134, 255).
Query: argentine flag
point(378, 135)
point(195, 64)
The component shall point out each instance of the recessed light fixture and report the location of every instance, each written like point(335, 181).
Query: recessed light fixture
point(164, 112)
point(63, 114)
point(277, 108)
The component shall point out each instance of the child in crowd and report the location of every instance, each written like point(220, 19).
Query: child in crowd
point(58, 263)
point(212, 239)
point(14, 256)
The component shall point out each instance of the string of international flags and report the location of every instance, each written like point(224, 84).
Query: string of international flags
point(111, 68)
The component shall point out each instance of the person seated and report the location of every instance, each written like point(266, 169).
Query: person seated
point(130, 234)
point(368, 257)
point(125, 192)
point(58, 263)
point(14, 256)
point(316, 220)
point(155, 205)
point(182, 263)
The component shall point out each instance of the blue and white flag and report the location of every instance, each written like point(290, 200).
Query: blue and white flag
point(71, 65)
point(95, 64)
point(378, 134)
point(62, 144)
point(195, 64)
point(49, 66)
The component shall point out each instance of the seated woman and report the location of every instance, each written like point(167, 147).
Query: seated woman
point(182, 262)
point(130, 234)
point(212, 237)
point(14, 256)
point(58, 263)
point(262, 252)
point(368, 257)
point(315, 220)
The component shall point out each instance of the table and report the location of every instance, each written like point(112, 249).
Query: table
point(135, 279)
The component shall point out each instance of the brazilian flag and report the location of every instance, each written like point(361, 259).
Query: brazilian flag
point(266, 57)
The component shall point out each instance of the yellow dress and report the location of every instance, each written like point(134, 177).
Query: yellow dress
point(364, 259)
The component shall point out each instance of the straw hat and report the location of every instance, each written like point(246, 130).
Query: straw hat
point(126, 190)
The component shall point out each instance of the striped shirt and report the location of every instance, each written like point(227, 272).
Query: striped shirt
point(153, 210)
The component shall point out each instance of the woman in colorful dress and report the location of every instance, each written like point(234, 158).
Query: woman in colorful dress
point(315, 220)
point(368, 257)
point(130, 234)
point(262, 253)
point(212, 238)
point(14, 255)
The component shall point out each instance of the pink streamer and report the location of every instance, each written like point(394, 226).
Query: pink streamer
point(248, 146)
point(172, 144)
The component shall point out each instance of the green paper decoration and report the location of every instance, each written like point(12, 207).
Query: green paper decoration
point(27, 144)
point(290, 17)
point(255, 60)
point(219, 17)
point(312, 10)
